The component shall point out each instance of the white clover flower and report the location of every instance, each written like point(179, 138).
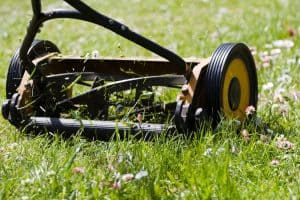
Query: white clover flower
point(127, 177)
point(275, 162)
point(208, 152)
point(141, 174)
point(95, 54)
point(267, 86)
point(283, 44)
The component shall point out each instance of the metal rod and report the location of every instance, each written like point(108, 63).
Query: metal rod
point(36, 7)
point(102, 129)
point(32, 30)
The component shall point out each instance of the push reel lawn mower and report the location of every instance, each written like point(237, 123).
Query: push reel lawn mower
point(124, 95)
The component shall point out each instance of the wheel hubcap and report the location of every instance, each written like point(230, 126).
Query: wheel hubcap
point(234, 93)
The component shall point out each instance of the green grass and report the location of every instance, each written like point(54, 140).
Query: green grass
point(218, 165)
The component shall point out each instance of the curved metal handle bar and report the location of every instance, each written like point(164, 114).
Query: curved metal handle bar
point(85, 13)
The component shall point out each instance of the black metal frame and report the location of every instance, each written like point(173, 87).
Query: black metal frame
point(85, 13)
point(52, 78)
point(175, 72)
point(43, 99)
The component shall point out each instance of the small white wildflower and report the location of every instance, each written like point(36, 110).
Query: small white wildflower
point(245, 135)
point(234, 149)
point(129, 156)
point(95, 54)
point(116, 185)
point(268, 46)
point(287, 157)
point(291, 61)
point(110, 167)
point(267, 86)
point(104, 184)
point(19, 158)
point(275, 162)
point(82, 40)
point(139, 118)
point(184, 193)
point(127, 177)
point(2, 149)
point(223, 10)
point(275, 52)
point(296, 95)
point(78, 170)
point(253, 50)
point(284, 79)
point(250, 110)
point(141, 174)
point(278, 98)
point(270, 131)
point(220, 150)
point(281, 137)
point(120, 158)
point(266, 59)
point(280, 90)
point(263, 53)
point(117, 175)
point(27, 181)
point(208, 152)
point(50, 173)
point(266, 64)
point(283, 110)
point(237, 122)
point(214, 35)
point(283, 44)
point(283, 143)
point(12, 145)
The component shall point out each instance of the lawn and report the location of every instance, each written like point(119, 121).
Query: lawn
point(259, 160)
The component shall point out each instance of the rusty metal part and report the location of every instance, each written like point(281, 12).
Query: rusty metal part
point(191, 98)
point(192, 91)
point(111, 68)
point(25, 95)
point(190, 94)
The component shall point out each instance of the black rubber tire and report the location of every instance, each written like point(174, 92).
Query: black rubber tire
point(16, 70)
point(215, 75)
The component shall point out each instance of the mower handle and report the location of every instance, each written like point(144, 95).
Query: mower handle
point(36, 7)
point(86, 13)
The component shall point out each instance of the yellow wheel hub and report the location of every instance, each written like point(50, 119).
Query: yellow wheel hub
point(230, 82)
point(236, 90)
